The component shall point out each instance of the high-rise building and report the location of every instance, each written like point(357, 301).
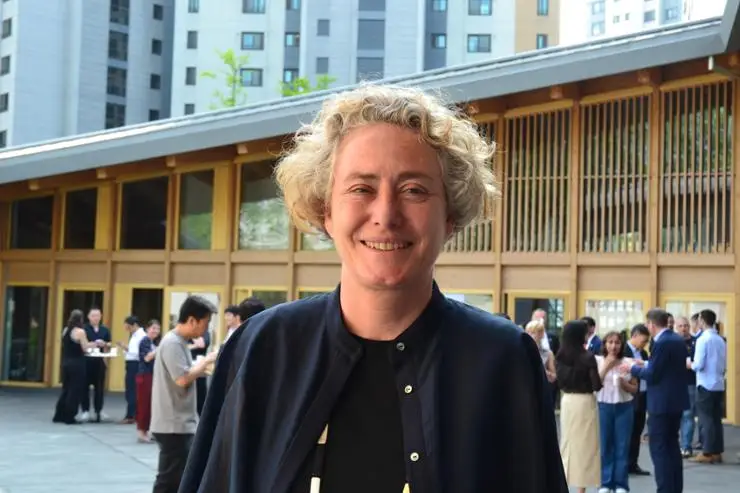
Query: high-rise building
point(348, 40)
point(76, 66)
point(583, 20)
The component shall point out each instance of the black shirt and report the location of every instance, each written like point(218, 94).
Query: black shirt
point(364, 447)
point(578, 376)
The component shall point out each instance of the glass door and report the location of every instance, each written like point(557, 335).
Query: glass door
point(615, 311)
point(175, 296)
point(685, 305)
point(144, 301)
point(25, 333)
point(520, 306)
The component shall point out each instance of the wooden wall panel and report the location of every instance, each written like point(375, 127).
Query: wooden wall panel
point(533, 278)
point(27, 272)
point(462, 278)
point(82, 273)
point(613, 279)
point(138, 273)
point(197, 274)
point(695, 280)
point(320, 276)
point(262, 275)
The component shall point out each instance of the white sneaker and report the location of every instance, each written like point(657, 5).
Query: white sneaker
point(84, 417)
point(605, 490)
point(102, 416)
point(622, 490)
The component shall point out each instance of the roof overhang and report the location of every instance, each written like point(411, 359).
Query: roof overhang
point(530, 71)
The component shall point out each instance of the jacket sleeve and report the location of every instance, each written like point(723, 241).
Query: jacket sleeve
point(656, 367)
point(536, 465)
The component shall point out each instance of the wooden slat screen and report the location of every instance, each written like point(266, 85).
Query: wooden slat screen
point(696, 181)
point(537, 158)
point(477, 237)
point(615, 152)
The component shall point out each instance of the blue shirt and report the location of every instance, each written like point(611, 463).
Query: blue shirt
point(710, 361)
point(467, 381)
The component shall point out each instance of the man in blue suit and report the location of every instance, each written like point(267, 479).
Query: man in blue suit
point(667, 392)
point(593, 341)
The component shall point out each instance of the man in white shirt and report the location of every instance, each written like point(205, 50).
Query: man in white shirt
point(710, 365)
point(137, 333)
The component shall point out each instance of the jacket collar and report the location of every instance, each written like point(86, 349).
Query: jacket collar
point(418, 335)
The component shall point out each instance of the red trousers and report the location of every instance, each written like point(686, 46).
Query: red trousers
point(143, 401)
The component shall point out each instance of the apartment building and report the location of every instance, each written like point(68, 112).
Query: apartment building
point(583, 20)
point(76, 66)
point(349, 40)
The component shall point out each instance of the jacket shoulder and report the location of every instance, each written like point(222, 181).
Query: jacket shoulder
point(470, 322)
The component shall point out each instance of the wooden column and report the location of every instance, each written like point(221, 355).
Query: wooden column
point(733, 331)
point(498, 221)
point(654, 175)
point(576, 202)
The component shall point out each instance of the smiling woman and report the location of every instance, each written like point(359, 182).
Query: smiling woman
point(376, 386)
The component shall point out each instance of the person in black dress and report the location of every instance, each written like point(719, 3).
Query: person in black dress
point(74, 345)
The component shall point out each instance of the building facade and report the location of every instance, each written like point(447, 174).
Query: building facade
point(80, 66)
point(349, 40)
point(618, 195)
point(583, 20)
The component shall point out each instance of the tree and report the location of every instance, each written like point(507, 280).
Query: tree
point(231, 72)
point(301, 85)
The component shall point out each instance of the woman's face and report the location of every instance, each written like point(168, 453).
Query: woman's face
point(613, 345)
point(153, 331)
point(388, 209)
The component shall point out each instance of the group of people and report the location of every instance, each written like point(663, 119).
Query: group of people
point(609, 384)
point(377, 386)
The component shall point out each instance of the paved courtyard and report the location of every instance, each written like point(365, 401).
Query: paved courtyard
point(38, 456)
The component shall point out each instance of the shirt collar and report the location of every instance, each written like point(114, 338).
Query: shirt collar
point(419, 335)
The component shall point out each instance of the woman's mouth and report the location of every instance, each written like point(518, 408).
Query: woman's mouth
point(386, 246)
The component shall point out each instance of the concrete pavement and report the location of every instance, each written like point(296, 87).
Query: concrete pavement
point(38, 456)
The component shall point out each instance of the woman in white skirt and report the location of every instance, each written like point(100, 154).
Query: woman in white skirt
point(578, 379)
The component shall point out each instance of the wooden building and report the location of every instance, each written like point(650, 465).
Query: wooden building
point(620, 193)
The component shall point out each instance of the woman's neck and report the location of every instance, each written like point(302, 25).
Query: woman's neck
point(382, 314)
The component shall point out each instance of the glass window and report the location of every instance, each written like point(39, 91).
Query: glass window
point(322, 27)
point(263, 220)
point(147, 303)
point(253, 41)
point(25, 333)
point(617, 315)
point(316, 242)
point(308, 294)
point(543, 7)
point(177, 298)
point(482, 301)
point(270, 298)
point(439, 5)
point(686, 308)
point(253, 6)
point(479, 43)
point(80, 216)
point(251, 77)
point(31, 223)
point(144, 214)
point(196, 210)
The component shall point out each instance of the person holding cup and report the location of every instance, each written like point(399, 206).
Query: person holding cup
point(616, 414)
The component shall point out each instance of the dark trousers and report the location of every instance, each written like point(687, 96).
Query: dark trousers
point(173, 454)
point(96, 377)
point(665, 452)
point(132, 368)
point(73, 385)
point(201, 389)
point(709, 409)
point(638, 425)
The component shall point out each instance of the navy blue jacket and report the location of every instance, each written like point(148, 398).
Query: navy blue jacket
point(665, 375)
point(481, 417)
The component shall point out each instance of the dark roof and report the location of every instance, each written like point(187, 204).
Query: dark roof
point(523, 72)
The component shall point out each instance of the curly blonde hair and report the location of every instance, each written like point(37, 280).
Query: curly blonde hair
point(305, 173)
